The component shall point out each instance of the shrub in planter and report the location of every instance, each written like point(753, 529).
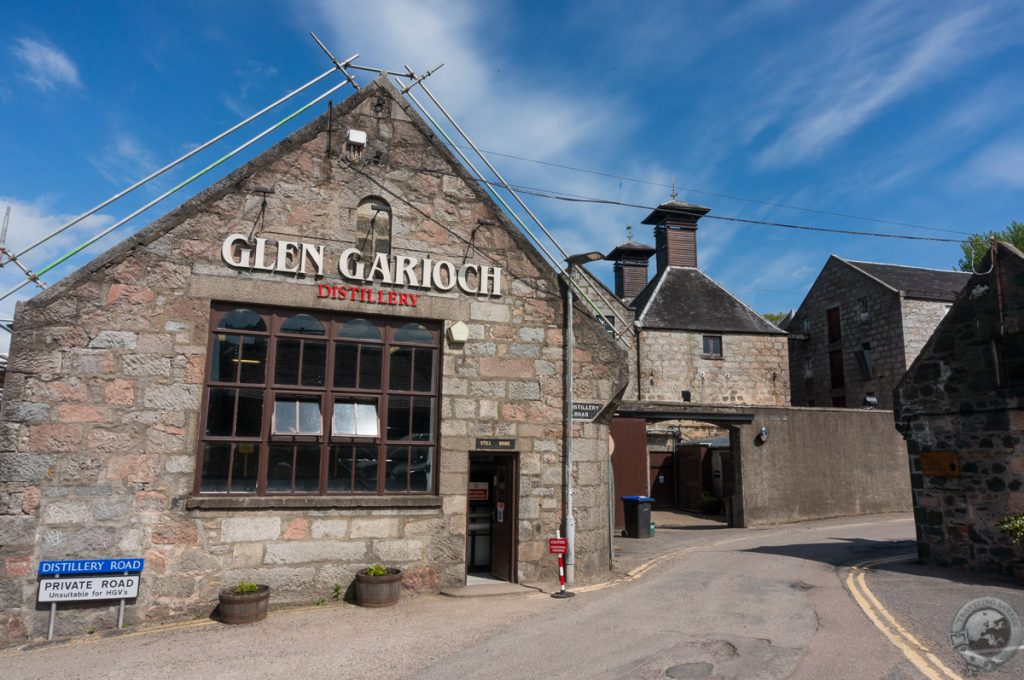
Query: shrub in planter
point(246, 602)
point(378, 586)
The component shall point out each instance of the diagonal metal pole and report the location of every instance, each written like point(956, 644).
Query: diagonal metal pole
point(484, 182)
point(181, 185)
point(341, 66)
point(583, 294)
point(491, 167)
point(171, 165)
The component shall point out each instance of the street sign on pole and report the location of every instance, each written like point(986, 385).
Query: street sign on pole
point(89, 588)
point(558, 546)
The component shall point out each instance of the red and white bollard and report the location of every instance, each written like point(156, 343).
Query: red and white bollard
point(557, 546)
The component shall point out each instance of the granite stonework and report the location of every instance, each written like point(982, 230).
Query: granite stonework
point(965, 394)
point(893, 324)
point(752, 369)
point(99, 427)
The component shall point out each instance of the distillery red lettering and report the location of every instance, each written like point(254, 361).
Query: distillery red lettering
point(368, 295)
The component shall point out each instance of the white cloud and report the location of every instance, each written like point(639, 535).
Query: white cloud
point(872, 59)
point(46, 66)
point(540, 116)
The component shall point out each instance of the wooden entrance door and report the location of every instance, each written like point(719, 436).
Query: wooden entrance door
point(503, 517)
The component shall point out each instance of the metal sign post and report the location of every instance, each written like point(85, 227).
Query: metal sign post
point(558, 546)
point(96, 579)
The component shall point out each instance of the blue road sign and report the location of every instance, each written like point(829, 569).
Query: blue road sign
point(97, 566)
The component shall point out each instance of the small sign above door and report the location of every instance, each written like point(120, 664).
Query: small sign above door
point(496, 444)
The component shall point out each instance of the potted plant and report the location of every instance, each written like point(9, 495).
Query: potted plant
point(246, 602)
point(1013, 526)
point(378, 586)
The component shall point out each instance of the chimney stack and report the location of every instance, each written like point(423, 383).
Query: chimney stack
point(630, 268)
point(675, 233)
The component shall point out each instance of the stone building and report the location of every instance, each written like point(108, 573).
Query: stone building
point(960, 408)
point(859, 328)
point(693, 345)
point(693, 341)
point(367, 367)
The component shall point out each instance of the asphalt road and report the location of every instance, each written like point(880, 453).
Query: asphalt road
point(735, 604)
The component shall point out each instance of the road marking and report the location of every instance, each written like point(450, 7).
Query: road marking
point(912, 648)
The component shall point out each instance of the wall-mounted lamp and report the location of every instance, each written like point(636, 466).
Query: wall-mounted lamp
point(458, 332)
point(762, 436)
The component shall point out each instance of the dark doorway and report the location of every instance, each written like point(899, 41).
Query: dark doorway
point(695, 477)
point(663, 478)
point(491, 517)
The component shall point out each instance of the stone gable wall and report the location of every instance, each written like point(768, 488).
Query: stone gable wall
point(753, 369)
point(99, 427)
point(810, 375)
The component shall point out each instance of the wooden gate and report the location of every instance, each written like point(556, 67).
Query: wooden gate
point(629, 462)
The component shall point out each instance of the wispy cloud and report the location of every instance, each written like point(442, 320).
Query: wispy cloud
point(873, 58)
point(124, 159)
point(249, 78)
point(45, 66)
point(1000, 164)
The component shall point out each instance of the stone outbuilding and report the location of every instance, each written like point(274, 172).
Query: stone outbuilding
point(693, 341)
point(960, 408)
point(859, 328)
point(365, 365)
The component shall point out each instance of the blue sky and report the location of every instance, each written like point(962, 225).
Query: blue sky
point(902, 111)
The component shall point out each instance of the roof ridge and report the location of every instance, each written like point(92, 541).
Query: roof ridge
point(906, 266)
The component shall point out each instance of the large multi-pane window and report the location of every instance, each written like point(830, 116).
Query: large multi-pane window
point(312, 403)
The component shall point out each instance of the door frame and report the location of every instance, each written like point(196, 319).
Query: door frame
point(513, 458)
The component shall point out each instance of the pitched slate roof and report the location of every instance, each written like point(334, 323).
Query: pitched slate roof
point(916, 282)
point(686, 299)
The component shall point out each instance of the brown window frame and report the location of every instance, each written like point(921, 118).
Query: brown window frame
point(326, 394)
point(711, 341)
point(834, 324)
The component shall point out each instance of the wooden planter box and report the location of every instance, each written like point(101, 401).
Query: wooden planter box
point(378, 591)
point(244, 607)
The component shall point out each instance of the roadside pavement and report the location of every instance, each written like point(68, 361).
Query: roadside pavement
point(697, 600)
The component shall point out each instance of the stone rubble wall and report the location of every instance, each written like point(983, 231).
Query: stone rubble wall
point(951, 400)
point(99, 426)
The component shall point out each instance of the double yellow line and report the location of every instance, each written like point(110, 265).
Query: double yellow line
point(912, 648)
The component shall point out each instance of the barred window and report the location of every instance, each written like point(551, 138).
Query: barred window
point(315, 403)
